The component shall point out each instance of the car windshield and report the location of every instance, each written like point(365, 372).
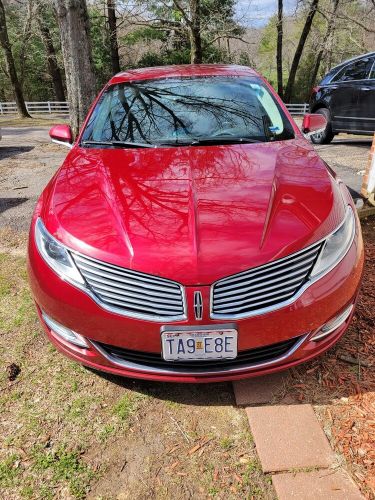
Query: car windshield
point(186, 111)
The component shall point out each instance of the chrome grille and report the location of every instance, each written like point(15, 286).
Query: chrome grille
point(269, 286)
point(132, 293)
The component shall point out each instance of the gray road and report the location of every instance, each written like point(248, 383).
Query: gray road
point(28, 160)
point(348, 157)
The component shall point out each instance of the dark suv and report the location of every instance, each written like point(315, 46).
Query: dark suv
point(346, 97)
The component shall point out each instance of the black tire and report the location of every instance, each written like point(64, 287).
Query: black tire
point(327, 135)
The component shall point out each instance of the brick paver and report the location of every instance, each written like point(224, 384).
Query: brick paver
point(259, 390)
point(316, 485)
point(289, 437)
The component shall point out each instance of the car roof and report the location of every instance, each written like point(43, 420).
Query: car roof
point(183, 70)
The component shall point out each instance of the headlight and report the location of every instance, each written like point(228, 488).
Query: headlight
point(56, 255)
point(336, 245)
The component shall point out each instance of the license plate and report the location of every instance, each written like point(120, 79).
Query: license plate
point(192, 345)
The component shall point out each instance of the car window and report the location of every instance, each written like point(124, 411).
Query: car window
point(372, 72)
point(177, 111)
point(359, 70)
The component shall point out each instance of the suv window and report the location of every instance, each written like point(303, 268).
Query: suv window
point(358, 70)
point(372, 72)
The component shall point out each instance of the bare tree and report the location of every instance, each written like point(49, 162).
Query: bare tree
point(25, 39)
point(279, 49)
point(112, 27)
point(330, 25)
point(73, 22)
point(53, 66)
point(10, 65)
point(301, 44)
point(193, 22)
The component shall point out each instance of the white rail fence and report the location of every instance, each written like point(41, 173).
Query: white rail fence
point(36, 108)
point(62, 108)
point(298, 109)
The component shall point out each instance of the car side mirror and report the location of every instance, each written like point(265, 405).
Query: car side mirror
point(62, 134)
point(313, 123)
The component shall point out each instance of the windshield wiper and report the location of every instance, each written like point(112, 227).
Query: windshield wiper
point(124, 144)
point(223, 140)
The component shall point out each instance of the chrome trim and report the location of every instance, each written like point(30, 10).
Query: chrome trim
point(277, 263)
point(134, 297)
point(294, 280)
point(58, 329)
point(296, 296)
point(174, 370)
point(62, 143)
point(198, 305)
point(341, 317)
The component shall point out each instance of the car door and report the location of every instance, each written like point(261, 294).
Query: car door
point(345, 104)
point(366, 101)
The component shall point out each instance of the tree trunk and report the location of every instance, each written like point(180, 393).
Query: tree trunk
point(330, 26)
point(53, 66)
point(279, 51)
point(76, 48)
point(195, 33)
point(297, 56)
point(115, 59)
point(26, 35)
point(10, 66)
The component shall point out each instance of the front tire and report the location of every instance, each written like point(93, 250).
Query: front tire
point(326, 136)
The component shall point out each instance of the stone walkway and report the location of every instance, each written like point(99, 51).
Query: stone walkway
point(291, 444)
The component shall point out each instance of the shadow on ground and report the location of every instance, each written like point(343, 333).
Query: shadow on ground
point(7, 203)
point(10, 151)
point(218, 394)
point(361, 143)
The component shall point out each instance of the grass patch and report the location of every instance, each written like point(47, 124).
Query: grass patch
point(226, 443)
point(65, 466)
point(127, 405)
point(106, 432)
point(15, 121)
point(9, 471)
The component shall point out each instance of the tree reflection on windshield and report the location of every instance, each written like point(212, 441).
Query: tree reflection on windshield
point(175, 111)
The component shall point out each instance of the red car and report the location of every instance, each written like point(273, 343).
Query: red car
point(193, 234)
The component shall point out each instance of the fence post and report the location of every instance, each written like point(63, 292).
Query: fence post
point(49, 107)
point(1, 109)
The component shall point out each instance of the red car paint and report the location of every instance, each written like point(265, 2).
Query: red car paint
point(225, 209)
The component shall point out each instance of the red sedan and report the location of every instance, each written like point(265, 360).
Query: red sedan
point(193, 234)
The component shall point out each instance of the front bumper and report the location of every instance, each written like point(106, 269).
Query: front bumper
point(301, 320)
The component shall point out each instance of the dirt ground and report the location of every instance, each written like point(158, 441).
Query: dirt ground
point(67, 432)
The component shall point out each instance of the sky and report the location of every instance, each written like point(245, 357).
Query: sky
point(257, 12)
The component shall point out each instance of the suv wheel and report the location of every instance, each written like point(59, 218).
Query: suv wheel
point(326, 136)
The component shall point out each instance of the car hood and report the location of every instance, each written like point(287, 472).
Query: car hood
point(193, 214)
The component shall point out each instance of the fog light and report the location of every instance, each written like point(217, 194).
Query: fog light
point(333, 324)
point(65, 333)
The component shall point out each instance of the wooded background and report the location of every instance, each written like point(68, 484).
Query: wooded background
point(67, 49)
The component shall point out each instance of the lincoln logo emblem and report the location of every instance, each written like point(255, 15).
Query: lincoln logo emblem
point(198, 305)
